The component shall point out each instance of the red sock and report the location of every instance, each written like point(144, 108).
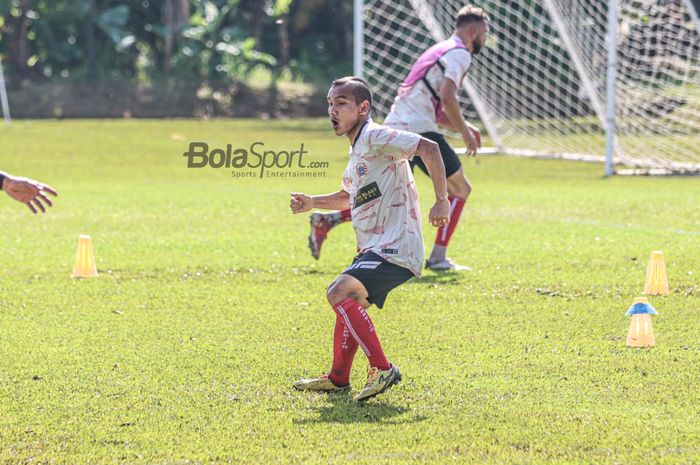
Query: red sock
point(344, 349)
point(345, 215)
point(445, 232)
point(361, 328)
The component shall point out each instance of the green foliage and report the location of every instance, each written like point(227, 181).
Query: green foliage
point(209, 306)
point(112, 22)
point(218, 51)
point(281, 7)
point(218, 40)
point(5, 7)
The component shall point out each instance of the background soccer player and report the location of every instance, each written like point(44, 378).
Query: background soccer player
point(28, 191)
point(426, 99)
point(378, 185)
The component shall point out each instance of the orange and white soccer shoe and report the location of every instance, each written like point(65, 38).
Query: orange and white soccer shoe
point(378, 381)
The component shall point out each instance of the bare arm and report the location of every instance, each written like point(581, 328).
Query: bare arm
point(301, 203)
point(450, 105)
point(429, 152)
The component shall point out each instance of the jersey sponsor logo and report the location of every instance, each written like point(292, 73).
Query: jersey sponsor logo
point(367, 193)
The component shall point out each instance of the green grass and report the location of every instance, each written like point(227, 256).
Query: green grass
point(208, 306)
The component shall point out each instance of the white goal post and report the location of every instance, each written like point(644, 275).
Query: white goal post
point(4, 105)
point(559, 78)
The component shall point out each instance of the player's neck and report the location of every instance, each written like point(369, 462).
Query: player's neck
point(464, 37)
point(352, 134)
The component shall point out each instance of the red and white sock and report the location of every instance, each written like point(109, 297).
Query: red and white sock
point(361, 328)
point(444, 233)
point(344, 349)
point(335, 218)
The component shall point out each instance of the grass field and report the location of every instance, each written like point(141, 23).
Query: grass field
point(208, 306)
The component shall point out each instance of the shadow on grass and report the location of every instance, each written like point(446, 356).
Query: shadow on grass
point(305, 270)
point(345, 410)
point(206, 273)
point(441, 277)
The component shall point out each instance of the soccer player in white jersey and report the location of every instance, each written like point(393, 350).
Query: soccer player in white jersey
point(378, 187)
point(426, 99)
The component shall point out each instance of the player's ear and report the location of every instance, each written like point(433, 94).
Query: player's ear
point(364, 107)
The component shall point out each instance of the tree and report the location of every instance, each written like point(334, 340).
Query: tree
point(175, 15)
point(15, 28)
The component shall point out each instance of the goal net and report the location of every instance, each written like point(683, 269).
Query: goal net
point(539, 85)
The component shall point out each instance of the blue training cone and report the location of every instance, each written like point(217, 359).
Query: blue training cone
point(641, 333)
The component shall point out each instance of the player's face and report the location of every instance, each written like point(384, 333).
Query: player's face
point(343, 110)
point(480, 33)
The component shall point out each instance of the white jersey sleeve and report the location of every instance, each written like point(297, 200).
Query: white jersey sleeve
point(346, 183)
point(391, 143)
point(456, 63)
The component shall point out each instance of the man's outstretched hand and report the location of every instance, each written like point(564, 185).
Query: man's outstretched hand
point(28, 191)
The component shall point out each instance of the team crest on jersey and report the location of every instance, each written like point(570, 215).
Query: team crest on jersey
point(361, 169)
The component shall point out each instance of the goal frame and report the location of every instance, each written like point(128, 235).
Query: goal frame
point(605, 112)
point(3, 98)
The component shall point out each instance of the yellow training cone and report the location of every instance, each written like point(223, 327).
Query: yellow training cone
point(641, 333)
point(656, 282)
point(84, 259)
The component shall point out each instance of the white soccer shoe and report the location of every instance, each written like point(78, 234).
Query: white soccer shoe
point(321, 384)
point(446, 265)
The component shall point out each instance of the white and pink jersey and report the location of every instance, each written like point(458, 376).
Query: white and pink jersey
point(415, 107)
point(383, 197)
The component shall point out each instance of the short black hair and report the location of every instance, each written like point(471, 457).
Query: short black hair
point(470, 14)
point(359, 88)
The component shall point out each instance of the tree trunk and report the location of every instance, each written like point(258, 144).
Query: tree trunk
point(258, 21)
point(344, 25)
point(182, 15)
point(18, 45)
point(175, 14)
point(90, 63)
point(283, 35)
point(167, 19)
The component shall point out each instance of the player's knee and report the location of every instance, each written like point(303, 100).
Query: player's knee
point(466, 189)
point(459, 186)
point(335, 293)
point(339, 291)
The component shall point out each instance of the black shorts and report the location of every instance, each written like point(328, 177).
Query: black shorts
point(377, 275)
point(449, 157)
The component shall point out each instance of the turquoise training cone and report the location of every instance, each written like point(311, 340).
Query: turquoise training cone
point(641, 333)
point(641, 307)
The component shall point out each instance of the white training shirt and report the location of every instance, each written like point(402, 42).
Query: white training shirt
point(383, 197)
point(414, 107)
